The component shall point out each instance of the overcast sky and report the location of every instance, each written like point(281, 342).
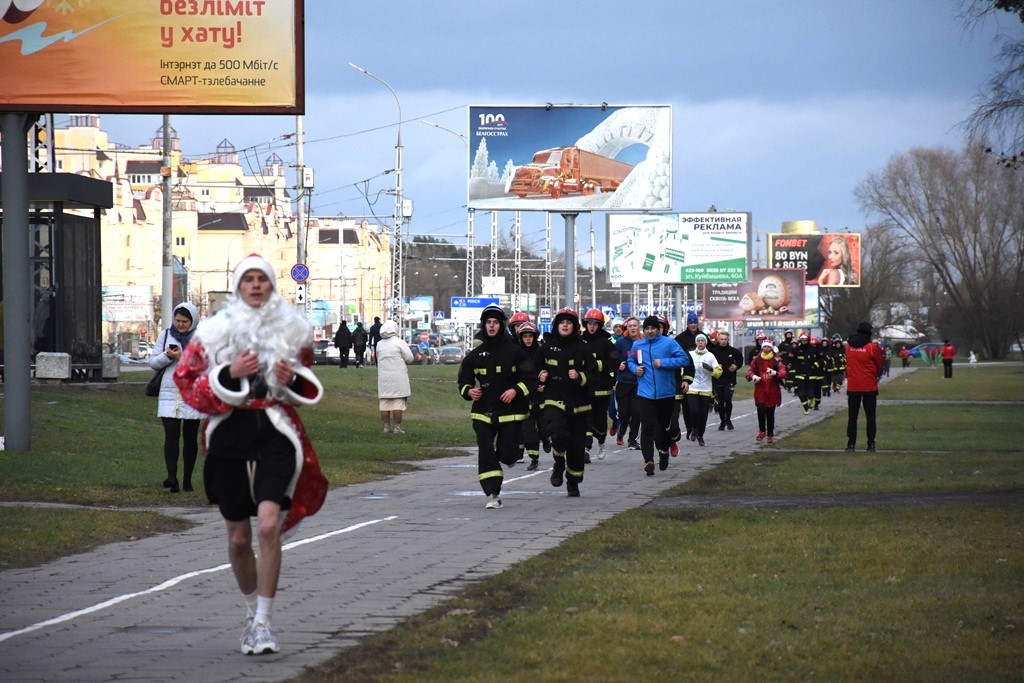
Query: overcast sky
point(780, 107)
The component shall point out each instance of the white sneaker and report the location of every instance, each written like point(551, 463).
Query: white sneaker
point(263, 641)
point(600, 451)
point(494, 503)
point(247, 633)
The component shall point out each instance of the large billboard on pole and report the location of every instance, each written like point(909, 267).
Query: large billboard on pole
point(570, 158)
point(772, 295)
point(678, 248)
point(830, 259)
point(157, 56)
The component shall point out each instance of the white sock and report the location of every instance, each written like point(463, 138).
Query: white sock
point(264, 606)
point(250, 603)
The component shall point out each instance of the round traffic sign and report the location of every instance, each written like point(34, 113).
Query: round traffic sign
point(300, 273)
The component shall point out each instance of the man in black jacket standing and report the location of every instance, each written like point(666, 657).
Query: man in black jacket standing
point(343, 342)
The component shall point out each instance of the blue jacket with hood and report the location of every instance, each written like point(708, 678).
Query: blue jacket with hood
point(660, 382)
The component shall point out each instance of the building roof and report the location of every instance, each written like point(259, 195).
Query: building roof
point(222, 221)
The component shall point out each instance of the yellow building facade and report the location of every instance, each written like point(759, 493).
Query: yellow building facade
point(220, 215)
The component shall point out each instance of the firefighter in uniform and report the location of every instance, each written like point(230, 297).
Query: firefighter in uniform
point(802, 364)
point(606, 357)
point(497, 377)
point(565, 416)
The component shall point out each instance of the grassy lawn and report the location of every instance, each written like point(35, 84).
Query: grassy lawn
point(925, 592)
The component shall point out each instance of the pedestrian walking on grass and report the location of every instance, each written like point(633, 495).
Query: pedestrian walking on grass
point(343, 342)
point(863, 369)
point(768, 372)
point(248, 368)
point(393, 388)
point(359, 341)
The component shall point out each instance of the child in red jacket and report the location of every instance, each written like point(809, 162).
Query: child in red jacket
point(767, 373)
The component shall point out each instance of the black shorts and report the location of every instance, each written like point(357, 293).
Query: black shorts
point(238, 486)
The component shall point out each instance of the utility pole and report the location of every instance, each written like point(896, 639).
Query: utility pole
point(167, 281)
point(300, 204)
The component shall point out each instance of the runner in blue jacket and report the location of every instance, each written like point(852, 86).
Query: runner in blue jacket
point(654, 360)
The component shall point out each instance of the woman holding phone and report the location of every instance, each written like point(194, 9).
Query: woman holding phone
point(180, 420)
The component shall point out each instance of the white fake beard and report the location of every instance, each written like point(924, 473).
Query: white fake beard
point(275, 331)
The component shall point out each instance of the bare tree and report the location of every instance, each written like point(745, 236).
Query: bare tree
point(1000, 112)
point(963, 215)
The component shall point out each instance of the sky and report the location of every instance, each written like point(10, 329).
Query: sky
point(780, 108)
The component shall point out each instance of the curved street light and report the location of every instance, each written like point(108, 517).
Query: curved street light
point(470, 266)
point(397, 256)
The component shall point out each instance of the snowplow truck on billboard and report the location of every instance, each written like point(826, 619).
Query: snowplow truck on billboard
point(568, 170)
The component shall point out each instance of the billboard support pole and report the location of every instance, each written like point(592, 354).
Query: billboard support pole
point(14, 127)
point(677, 293)
point(570, 258)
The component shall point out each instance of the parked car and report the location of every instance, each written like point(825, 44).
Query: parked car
point(325, 352)
point(432, 357)
point(451, 355)
point(418, 358)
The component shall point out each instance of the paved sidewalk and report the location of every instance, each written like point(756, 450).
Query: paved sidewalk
point(167, 608)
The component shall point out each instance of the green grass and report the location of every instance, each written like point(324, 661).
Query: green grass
point(920, 592)
point(32, 535)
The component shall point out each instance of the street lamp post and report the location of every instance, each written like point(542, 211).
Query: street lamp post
point(397, 260)
point(470, 265)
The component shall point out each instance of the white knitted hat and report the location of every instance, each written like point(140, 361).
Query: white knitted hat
point(252, 262)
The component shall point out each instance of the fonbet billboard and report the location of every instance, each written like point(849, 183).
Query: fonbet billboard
point(678, 248)
point(830, 259)
point(160, 56)
point(569, 158)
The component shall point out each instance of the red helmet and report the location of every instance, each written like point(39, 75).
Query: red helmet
point(759, 336)
point(714, 335)
point(803, 336)
point(814, 340)
point(518, 317)
point(526, 327)
point(563, 314)
point(665, 324)
point(595, 315)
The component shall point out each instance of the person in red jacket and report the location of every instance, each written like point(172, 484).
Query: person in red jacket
point(863, 369)
point(767, 372)
point(948, 354)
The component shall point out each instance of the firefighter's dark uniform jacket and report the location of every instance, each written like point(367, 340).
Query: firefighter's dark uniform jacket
point(606, 359)
point(562, 354)
point(497, 365)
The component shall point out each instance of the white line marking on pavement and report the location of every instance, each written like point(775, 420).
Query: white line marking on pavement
point(170, 583)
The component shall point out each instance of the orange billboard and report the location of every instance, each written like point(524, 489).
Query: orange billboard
point(152, 56)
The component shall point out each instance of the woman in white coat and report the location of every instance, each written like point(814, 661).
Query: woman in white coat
point(180, 420)
point(393, 389)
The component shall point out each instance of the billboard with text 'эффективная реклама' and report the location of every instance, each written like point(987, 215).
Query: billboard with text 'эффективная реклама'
point(157, 56)
point(678, 248)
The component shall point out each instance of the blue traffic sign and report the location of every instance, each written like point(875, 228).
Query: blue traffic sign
point(300, 273)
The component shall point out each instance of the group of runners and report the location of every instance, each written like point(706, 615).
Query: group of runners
point(568, 391)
